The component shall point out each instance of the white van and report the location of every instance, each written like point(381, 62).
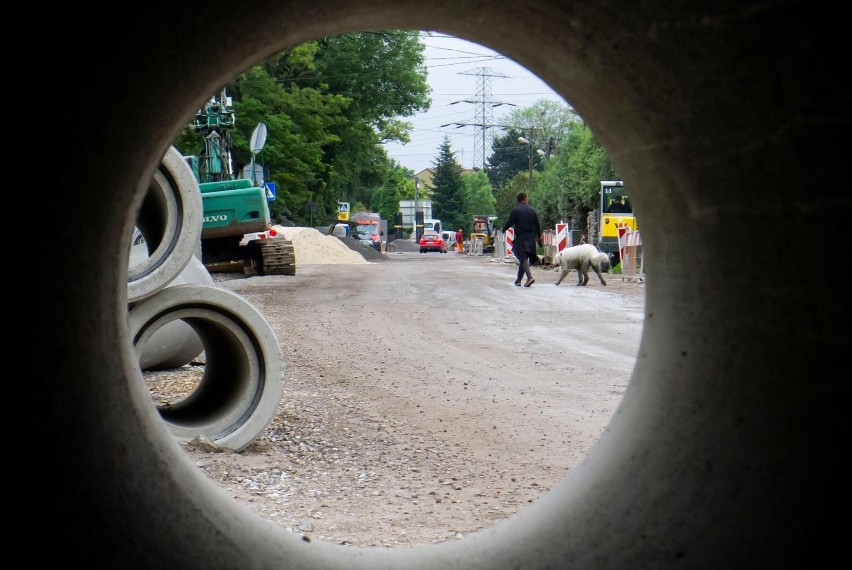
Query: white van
point(432, 225)
point(450, 238)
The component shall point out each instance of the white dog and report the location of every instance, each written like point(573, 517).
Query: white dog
point(582, 257)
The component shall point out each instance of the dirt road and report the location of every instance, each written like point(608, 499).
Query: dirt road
point(426, 397)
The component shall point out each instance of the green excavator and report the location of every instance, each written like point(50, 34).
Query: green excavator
point(237, 233)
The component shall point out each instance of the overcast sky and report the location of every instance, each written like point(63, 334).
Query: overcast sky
point(453, 65)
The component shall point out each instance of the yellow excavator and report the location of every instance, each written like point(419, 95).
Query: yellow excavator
point(483, 228)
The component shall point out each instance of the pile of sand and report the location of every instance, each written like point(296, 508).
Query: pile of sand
point(313, 248)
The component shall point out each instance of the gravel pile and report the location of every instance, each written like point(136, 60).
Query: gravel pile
point(312, 247)
point(404, 245)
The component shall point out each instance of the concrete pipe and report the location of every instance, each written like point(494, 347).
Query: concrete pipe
point(731, 121)
point(170, 221)
point(176, 343)
point(242, 383)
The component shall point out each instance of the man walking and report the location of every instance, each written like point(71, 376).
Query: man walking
point(460, 241)
point(524, 219)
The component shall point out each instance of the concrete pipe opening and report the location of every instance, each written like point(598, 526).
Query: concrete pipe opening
point(726, 449)
point(170, 221)
point(175, 344)
point(238, 392)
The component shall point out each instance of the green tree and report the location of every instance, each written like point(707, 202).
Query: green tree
point(569, 187)
point(506, 197)
point(397, 186)
point(447, 184)
point(545, 124)
point(508, 157)
point(566, 179)
point(382, 73)
point(383, 76)
point(328, 106)
point(301, 124)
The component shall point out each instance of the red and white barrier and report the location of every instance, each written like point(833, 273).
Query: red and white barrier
point(563, 237)
point(510, 241)
point(630, 252)
point(622, 243)
point(627, 239)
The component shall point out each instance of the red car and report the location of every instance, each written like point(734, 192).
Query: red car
point(431, 241)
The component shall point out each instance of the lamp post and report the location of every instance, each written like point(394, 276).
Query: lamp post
point(541, 153)
point(527, 142)
point(414, 217)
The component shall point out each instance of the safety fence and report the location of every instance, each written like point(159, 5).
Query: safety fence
point(630, 253)
point(503, 245)
point(553, 241)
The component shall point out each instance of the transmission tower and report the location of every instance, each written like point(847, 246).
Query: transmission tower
point(485, 104)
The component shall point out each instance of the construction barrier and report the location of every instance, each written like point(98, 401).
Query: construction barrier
point(630, 253)
point(499, 245)
point(548, 242)
point(554, 241)
point(562, 237)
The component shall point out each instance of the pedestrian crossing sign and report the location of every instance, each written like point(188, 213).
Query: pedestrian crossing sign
point(343, 211)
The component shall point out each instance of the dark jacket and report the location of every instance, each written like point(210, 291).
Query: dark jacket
point(524, 218)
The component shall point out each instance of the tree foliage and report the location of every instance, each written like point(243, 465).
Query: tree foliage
point(508, 157)
point(328, 106)
point(447, 201)
point(569, 187)
point(398, 186)
point(566, 180)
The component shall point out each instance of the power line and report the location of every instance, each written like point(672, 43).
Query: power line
point(485, 104)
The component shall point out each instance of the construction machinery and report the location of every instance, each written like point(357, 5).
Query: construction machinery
point(614, 211)
point(367, 227)
point(483, 228)
point(371, 226)
point(237, 233)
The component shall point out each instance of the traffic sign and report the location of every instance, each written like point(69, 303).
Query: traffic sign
point(270, 191)
point(343, 211)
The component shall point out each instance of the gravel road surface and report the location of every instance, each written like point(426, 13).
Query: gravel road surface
point(425, 396)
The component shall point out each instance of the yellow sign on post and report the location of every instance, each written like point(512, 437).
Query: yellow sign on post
point(343, 211)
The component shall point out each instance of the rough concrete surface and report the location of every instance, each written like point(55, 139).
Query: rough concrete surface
point(425, 396)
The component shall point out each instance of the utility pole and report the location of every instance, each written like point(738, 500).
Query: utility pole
point(485, 104)
point(541, 153)
point(414, 217)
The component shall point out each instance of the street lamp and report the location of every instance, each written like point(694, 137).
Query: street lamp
point(541, 153)
point(527, 142)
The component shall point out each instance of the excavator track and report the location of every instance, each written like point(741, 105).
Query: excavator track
point(273, 256)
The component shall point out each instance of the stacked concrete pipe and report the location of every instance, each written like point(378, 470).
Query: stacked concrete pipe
point(176, 343)
point(176, 312)
point(170, 220)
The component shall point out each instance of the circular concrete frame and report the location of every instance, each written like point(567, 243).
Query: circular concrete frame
point(241, 387)
point(176, 343)
point(728, 119)
point(171, 217)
